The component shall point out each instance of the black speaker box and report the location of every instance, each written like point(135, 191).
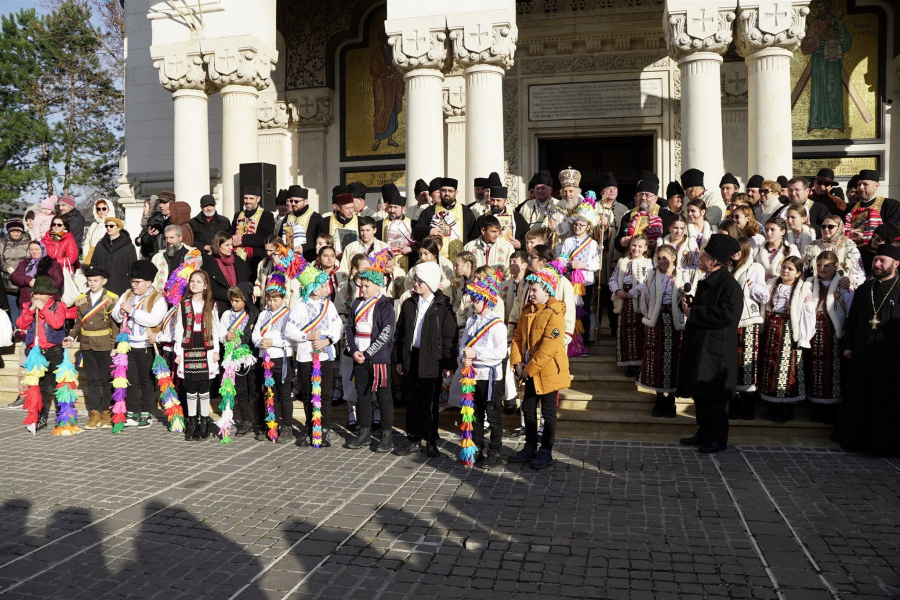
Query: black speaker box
point(263, 176)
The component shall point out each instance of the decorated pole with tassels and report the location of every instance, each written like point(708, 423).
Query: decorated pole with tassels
point(316, 392)
point(120, 377)
point(228, 393)
point(36, 366)
point(467, 416)
point(66, 384)
point(168, 395)
point(269, 382)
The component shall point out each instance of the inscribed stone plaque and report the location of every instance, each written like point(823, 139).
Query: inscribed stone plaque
point(595, 100)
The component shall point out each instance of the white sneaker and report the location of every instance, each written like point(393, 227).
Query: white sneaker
point(130, 420)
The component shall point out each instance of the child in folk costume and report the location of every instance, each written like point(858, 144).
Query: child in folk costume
point(349, 290)
point(483, 346)
point(752, 279)
point(799, 233)
point(509, 291)
point(370, 337)
point(629, 272)
point(274, 250)
point(789, 325)
point(776, 249)
point(97, 333)
point(491, 249)
point(848, 254)
point(465, 264)
point(367, 243)
point(825, 361)
point(745, 218)
point(320, 327)
point(581, 254)
point(663, 328)
point(697, 226)
point(687, 254)
point(238, 323)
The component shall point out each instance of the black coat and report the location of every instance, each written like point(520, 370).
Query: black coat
point(204, 229)
point(256, 240)
point(711, 370)
point(440, 337)
point(379, 350)
point(116, 257)
point(217, 280)
point(423, 226)
point(76, 225)
point(312, 230)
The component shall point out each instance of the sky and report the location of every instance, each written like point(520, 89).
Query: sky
point(14, 6)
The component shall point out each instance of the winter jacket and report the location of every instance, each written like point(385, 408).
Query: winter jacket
point(204, 229)
point(116, 257)
point(47, 267)
point(97, 229)
point(379, 351)
point(62, 251)
point(217, 281)
point(439, 344)
point(76, 225)
point(179, 214)
point(13, 252)
point(541, 334)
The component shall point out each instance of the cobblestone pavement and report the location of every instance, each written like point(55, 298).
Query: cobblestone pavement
point(147, 515)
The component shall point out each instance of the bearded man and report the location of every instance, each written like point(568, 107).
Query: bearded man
point(537, 212)
point(448, 219)
point(251, 227)
point(298, 228)
point(396, 230)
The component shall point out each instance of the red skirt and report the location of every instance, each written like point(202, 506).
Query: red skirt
point(781, 376)
point(748, 355)
point(630, 337)
point(662, 354)
point(823, 369)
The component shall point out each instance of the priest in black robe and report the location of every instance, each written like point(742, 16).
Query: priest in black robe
point(425, 227)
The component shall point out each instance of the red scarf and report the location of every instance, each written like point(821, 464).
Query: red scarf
point(226, 263)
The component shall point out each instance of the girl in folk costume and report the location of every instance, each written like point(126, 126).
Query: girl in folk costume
point(799, 233)
point(848, 255)
point(825, 362)
point(274, 249)
point(663, 329)
point(581, 254)
point(629, 272)
point(789, 325)
point(752, 279)
point(776, 249)
point(746, 220)
point(237, 324)
point(326, 261)
point(687, 255)
point(697, 226)
point(465, 264)
point(730, 228)
point(320, 327)
point(484, 274)
point(430, 251)
point(197, 338)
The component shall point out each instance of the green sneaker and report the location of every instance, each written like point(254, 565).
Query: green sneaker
point(131, 419)
point(144, 420)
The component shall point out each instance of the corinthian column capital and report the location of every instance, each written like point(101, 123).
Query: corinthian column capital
point(483, 38)
point(418, 43)
point(180, 66)
point(239, 60)
point(766, 25)
point(698, 26)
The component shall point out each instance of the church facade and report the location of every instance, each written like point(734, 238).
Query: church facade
point(384, 91)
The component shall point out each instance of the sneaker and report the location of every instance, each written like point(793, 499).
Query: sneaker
point(243, 428)
point(144, 420)
point(510, 407)
point(41, 423)
point(431, 450)
point(542, 460)
point(93, 420)
point(479, 460)
point(517, 432)
point(326, 438)
point(492, 459)
point(17, 402)
point(409, 447)
point(526, 454)
point(386, 444)
point(106, 420)
point(130, 420)
point(360, 441)
point(285, 435)
point(303, 441)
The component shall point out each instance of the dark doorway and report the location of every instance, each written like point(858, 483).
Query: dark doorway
point(626, 156)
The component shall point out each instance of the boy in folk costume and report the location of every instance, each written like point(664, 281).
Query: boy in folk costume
point(539, 354)
point(491, 249)
point(367, 244)
point(370, 338)
point(140, 312)
point(316, 319)
point(97, 332)
point(484, 348)
point(831, 303)
point(582, 257)
point(629, 272)
point(238, 323)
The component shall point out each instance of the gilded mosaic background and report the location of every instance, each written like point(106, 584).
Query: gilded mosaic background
point(834, 75)
point(843, 166)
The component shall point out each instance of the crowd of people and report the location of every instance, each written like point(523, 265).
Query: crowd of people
point(476, 306)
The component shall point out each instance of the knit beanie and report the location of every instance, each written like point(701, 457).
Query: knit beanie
point(49, 202)
point(430, 274)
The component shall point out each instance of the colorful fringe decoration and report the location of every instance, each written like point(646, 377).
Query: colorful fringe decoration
point(66, 384)
point(377, 268)
point(269, 382)
point(467, 412)
point(316, 437)
point(120, 377)
point(286, 265)
point(228, 393)
point(577, 347)
point(168, 395)
point(178, 280)
point(36, 366)
point(576, 278)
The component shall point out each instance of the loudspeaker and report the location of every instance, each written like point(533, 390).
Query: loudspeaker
point(263, 176)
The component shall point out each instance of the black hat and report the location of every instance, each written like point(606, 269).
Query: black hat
point(337, 191)
point(722, 247)
point(481, 182)
point(449, 182)
point(92, 271)
point(868, 175)
point(142, 269)
point(755, 182)
point(729, 178)
point(607, 180)
point(854, 181)
point(207, 200)
point(387, 189)
point(544, 178)
point(674, 189)
point(246, 289)
point(395, 198)
point(887, 231)
point(782, 181)
point(281, 198)
point(251, 190)
point(838, 192)
point(649, 183)
point(421, 186)
point(887, 250)
point(533, 181)
point(296, 191)
point(692, 178)
point(358, 189)
point(499, 192)
point(44, 285)
point(434, 185)
point(494, 180)
point(826, 175)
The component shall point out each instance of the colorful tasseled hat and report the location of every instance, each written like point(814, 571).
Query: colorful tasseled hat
point(377, 268)
point(286, 265)
point(487, 289)
point(310, 280)
point(547, 278)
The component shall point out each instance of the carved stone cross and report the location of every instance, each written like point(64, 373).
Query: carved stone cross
point(775, 14)
point(226, 61)
point(416, 40)
point(175, 67)
point(703, 20)
point(307, 107)
point(478, 35)
point(458, 97)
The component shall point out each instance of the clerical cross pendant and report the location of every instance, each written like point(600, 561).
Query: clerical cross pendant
point(874, 322)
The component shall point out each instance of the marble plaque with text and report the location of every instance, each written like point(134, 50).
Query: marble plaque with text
point(595, 100)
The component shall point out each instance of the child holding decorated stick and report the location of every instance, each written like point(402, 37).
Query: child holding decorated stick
point(273, 337)
point(582, 257)
point(630, 272)
point(237, 325)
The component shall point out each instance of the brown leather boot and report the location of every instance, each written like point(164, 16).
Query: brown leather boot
point(94, 420)
point(106, 420)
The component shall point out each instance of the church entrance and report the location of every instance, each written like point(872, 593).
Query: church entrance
point(626, 156)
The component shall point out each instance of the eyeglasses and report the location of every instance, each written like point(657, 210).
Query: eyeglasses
point(58, 225)
point(417, 281)
point(111, 226)
point(829, 226)
point(102, 209)
point(764, 191)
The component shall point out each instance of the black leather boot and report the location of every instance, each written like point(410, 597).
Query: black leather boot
point(360, 441)
point(190, 429)
point(203, 430)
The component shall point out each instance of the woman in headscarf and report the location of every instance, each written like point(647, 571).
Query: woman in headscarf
point(35, 265)
point(102, 208)
point(835, 240)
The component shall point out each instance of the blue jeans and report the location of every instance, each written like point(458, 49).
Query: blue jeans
point(13, 300)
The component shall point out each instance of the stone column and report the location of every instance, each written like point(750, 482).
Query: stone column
point(484, 44)
point(697, 34)
point(275, 120)
point(314, 110)
point(768, 34)
point(182, 72)
point(455, 147)
point(420, 52)
point(241, 68)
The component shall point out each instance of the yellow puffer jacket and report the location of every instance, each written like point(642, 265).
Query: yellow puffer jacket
point(541, 332)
